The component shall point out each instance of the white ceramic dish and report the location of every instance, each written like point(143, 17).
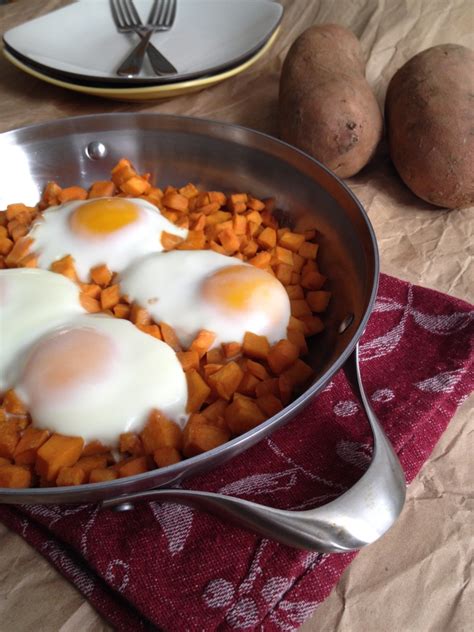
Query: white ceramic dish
point(80, 41)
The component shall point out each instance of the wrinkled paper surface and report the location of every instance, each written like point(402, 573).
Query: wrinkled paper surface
point(417, 576)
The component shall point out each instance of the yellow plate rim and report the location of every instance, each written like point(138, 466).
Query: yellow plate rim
point(160, 90)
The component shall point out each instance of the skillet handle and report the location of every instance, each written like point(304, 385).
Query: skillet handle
point(358, 517)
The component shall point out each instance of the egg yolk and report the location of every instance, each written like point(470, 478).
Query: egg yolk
point(241, 289)
point(60, 364)
point(103, 216)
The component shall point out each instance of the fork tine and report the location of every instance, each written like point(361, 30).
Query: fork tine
point(115, 14)
point(154, 11)
point(161, 13)
point(134, 13)
point(128, 14)
point(172, 14)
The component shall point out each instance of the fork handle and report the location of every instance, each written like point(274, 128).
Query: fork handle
point(133, 63)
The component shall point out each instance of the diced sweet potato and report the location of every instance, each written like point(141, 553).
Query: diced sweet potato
point(261, 260)
point(14, 476)
point(91, 305)
point(101, 275)
point(139, 315)
point(297, 338)
point(203, 342)
point(226, 381)
point(13, 404)
point(285, 389)
point(267, 238)
point(66, 267)
point(282, 255)
point(9, 438)
point(255, 346)
point(312, 280)
point(90, 289)
point(102, 188)
point(122, 311)
point(196, 240)
point(57, 452)
point(27, 448)
point(282, 355)
point(166, 456)
point(243, 414)
point(291, 241)
point(298, 262)
point(248, 384)
point(170, 241)
point(299, 373)
point(200, 438)
point(73, 475)
point(231, 349)
point(131, 442)
point(217, 218)
point(95, 447)
point(110, 296)
point(215, 356)
point(210, 369)
point(72, 193)
point(308, 250)
point(176, 201)
point(198, 391)
point(20, 249)
point(255, 204)
point(6, 245)
point(299, 307)
point(229, 240)
point(269, 385)
point(170, 337)
point(294, 291)
point(312, 325)
point(318, 301)
point(133, 467)
point(160, 432)
point(89, 463)
point(283, 273)
point(269, 404)
point(13, 211)
point(102, 475)
point(257, 369)
point(215, 411)
point(135, 186)
point(189, 359)
point(151, 330)
point(189, 191)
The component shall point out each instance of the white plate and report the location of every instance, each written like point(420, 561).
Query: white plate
point(81, 41)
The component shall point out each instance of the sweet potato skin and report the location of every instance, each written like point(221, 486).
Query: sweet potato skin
point(429, 112)
point(326, 106)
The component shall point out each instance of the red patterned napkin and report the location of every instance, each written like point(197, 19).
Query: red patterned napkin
point(171, 567)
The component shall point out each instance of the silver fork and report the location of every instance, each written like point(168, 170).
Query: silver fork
point(161, 18)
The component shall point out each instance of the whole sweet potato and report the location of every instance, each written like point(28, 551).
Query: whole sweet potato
point(430, 120)
point(327, 108)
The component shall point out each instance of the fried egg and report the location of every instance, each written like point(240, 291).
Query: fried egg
point(31, 303)
point(114, 231)
point(97, 377)
point(202, 289)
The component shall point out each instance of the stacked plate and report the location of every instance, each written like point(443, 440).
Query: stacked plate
point(78, 47)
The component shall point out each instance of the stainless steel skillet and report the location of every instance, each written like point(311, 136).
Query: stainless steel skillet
point(220, 156)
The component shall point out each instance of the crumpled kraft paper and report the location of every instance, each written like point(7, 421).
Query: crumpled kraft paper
point(417, 576)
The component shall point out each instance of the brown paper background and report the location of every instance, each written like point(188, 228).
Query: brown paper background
point(415, 578)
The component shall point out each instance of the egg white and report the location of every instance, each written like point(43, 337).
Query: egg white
point(53, 238)
point(170, 286)
point(145, 374)
point(31, 303)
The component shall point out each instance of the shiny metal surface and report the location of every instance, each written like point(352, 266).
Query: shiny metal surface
point(219, 156)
